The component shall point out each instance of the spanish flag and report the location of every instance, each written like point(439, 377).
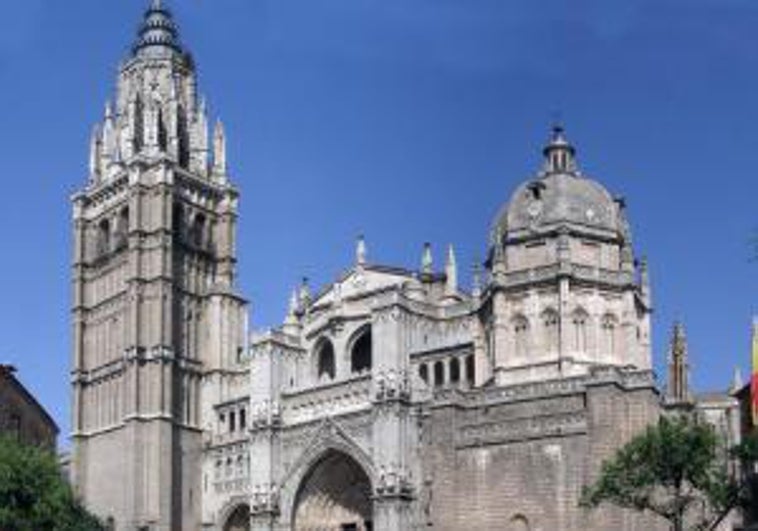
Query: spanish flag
point(754, 374)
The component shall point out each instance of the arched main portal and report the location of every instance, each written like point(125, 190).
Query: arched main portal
point(335, 495)
point(239, 519)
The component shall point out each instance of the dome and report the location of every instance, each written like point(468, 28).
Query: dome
point(558, 196)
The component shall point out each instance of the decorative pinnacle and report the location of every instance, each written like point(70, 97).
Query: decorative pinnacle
point(360, 251)
point(294, 303)
point(476, 279)
point(736, 380)
point(451, 272)
point(305, 293)
point(427, 262)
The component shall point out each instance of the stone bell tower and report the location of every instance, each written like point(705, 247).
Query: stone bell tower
point(156, 321)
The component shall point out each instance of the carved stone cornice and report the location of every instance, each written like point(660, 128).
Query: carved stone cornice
point(564, 424)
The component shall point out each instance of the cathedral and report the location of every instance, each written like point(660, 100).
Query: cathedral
point(389, 400)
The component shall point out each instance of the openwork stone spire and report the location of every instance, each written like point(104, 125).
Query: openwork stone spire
point(157, 112)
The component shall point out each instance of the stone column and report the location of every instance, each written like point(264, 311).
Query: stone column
point(265, 424)
point(394, 432)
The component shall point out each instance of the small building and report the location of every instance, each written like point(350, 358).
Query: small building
point(747, 426)
point(21, 416)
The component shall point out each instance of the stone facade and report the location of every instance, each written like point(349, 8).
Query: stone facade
point(21, 416)
point(390, 400)
point(490, 408)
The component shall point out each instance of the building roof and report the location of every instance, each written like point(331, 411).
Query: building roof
point(8, 373)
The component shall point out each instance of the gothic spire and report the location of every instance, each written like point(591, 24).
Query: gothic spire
point(678, 388)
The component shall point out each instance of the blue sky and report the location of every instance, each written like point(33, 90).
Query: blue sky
point(409, 121)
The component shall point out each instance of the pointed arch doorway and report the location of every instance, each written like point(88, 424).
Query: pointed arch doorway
point(335, 495)
point(239, 519)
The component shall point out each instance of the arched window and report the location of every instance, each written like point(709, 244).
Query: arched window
point(139, 125)
point(104, 237)
point(470, 369)
point(122, 229)
point(325, 359)
point(550, 322)
point(439, 373)
point(520, 335)
point(519, 523)
point(608, 326)
point(197, 235)
point(183, 138)
point(232, 421)
point(177, 221)
point(162, 133)
point(579, 327)
point(455, 370)
point(423, 372)
point(360, 353)
point(243, 418)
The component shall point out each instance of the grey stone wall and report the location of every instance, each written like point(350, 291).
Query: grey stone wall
point(522, 458)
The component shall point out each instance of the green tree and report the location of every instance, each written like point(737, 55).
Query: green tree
point(675, 469)
point(33, 494)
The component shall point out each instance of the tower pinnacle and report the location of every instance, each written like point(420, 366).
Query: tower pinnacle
point(158, 36)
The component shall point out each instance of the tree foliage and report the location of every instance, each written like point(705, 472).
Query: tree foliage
point(675, 469)
point(33, 494)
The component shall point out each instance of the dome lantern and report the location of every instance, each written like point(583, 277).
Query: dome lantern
point(559, 153)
